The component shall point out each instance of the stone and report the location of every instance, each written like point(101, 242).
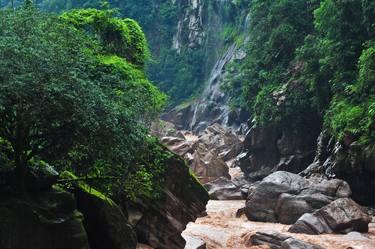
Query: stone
point(224, 189)
point(104, 221)
point(341, 216)
point(273, 148)
point(159, 223)
point(44, 220)
point(350, 161)
point(284, 197)
point(208, 154)
point(276, 240)
point(194, 243)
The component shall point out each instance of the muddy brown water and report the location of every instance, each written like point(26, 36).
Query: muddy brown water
point(220, 229)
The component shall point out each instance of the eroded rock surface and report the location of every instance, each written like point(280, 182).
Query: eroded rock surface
point(341, 216)
point(160, 223)
point(209, 154)
point(271, 149)
point(224, 189)
point(351, 161)
point(284, 197)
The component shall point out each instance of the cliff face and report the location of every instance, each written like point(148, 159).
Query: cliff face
point(205, 26)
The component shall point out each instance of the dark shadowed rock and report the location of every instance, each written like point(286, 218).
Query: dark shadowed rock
point(159, 223)
point(270, 149)
point(350, 161)
point(284, 197)
point(275, 240)
point(47, 220)
point(341, 216)
point(106, 225)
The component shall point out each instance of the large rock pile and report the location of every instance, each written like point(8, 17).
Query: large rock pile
point(209, 155)
point(313, 206)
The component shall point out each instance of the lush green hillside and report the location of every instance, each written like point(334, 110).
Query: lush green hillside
point(320, 56)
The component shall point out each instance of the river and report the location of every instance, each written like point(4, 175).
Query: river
point(220, 229)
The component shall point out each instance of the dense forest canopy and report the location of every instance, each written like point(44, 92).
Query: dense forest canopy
point(321, 55)
point(74, 95)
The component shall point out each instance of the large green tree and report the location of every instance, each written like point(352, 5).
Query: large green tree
point(71, 98)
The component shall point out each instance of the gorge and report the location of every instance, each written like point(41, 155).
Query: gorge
point(196, 124)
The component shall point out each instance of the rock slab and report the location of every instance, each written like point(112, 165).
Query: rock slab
point(284, 197)
point(341, 216)
point(275, 240)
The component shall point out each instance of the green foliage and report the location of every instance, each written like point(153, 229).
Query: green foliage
point(311, 61)
point(69, 98)
point(121, 37)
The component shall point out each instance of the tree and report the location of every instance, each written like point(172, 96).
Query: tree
point(63, 102)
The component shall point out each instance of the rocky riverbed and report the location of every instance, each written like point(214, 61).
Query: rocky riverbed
point(221, 229)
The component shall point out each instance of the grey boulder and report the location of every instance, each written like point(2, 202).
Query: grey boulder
point(340, 216)
point(284, 197)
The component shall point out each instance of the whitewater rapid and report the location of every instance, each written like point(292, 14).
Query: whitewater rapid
point(220, 229)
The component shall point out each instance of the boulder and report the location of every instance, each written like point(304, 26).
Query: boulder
point(224, 189)
point(159, 223)
point(106, 225)
point(275, 240)
point(341, 216)
point(194, 243)
point(208, 166)
point(44, 220)
point(284, 197)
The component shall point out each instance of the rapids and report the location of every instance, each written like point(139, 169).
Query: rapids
point(220, 229)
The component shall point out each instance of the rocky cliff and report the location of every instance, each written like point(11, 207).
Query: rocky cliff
point(204, 26)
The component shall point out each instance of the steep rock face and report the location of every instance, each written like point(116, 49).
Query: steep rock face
point(284, 197)
point(106, 225)
point(202, 26)
point(350, 161)
point(159, 223)
point(341, 216)
point(45, 220)
point(270, 149)
point(190, 27)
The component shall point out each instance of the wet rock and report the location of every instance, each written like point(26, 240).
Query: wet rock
point(224, 189)
point(284, 197)
point(45, 220)
point(159, 223)
point(275, 240)
point(341, 216)
point(194, 243)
